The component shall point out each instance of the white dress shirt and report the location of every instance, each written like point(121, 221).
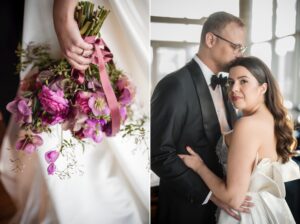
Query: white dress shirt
point(217, 98)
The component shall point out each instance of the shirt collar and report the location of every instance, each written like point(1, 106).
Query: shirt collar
point(205, 70)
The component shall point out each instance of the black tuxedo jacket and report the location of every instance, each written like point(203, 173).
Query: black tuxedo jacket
point(183, 114)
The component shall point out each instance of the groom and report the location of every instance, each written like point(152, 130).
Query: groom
point(187, 109)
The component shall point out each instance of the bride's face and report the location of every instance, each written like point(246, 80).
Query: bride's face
point(245, 92)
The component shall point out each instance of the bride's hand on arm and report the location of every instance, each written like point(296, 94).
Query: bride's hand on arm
point(241, 157)
point(193, 160)
point(245, 207)
point(73, 47)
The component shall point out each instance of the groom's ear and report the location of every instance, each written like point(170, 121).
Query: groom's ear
point(210, 39)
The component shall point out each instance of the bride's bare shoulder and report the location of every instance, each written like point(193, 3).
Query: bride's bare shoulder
point(249, 127)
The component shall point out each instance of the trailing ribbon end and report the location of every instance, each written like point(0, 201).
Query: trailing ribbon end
point(101, 56)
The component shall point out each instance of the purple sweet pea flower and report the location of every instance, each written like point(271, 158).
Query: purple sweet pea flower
point(53, 102)
point(81, 100)
point(51, 169)
point(29, 144)
point(51, 156)
point(123, 113)
point(93, 130)
point(125, 97)
point(20, 107)
point(98, 104)
point(127, 91)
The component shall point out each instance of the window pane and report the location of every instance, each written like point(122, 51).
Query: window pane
point(169, 60)
point(175, 32)
point(192, 9)
point(261, 20)
point(262, 51)
point(286, 11)
point(284, 45)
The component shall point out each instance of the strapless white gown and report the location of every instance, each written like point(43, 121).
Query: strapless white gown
point(267, 190)
point(268, 195)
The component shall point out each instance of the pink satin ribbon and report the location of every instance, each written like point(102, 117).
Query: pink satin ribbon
point(100, 57)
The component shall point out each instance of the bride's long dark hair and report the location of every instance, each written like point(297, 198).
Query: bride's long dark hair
point(286, 143)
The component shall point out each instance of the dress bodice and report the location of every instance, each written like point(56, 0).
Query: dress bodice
point(267, 176)
point(266, 189)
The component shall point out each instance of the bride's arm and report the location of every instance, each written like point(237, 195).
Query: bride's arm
point(242, 153)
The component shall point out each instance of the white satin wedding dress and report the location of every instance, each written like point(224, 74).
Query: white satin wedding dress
point(267, 191)
point(115, 185)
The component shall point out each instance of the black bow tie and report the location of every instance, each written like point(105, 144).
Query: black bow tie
point(215, 80)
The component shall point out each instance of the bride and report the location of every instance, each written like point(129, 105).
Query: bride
point(260, 145)
point(114, 186)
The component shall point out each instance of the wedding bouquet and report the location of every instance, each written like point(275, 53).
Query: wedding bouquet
point(90, 104)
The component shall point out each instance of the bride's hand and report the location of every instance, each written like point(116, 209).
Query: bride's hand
point(193, 160)
point(73, 47)
point(244, 208)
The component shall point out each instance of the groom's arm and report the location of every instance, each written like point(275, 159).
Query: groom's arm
point(168, 114)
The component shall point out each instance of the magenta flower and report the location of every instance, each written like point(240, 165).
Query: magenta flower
point(53, 119)
point(29, 144)
point(20, 107)
point(93, 129)
point(51, 169)
point(125, 97)
point(53, 102)
point(123, 113)
point(107, 129)
point(98, 104)
point(81, 100)
point(51, 156)
point(126, 89)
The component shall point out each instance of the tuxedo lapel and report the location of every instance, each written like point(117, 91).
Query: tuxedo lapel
point(209, 115)
point(230, 112)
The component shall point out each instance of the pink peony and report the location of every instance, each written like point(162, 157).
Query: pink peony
point(53, 102)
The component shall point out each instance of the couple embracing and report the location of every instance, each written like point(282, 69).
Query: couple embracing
point(206, 157)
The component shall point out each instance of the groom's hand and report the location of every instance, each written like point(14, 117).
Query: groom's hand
point(245, 207)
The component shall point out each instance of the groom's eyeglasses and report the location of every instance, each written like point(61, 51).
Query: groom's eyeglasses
point(237, 47)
